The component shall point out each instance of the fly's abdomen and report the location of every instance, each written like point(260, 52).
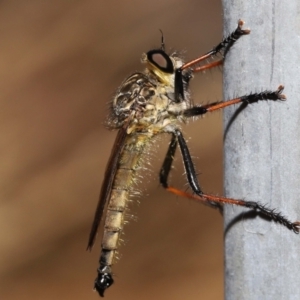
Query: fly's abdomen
point(121, 191)
point(114, 219)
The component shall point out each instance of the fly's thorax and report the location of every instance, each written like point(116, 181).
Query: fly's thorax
point(147, 102)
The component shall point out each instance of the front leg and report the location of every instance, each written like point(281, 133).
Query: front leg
point(222, 47)
point(194, 65)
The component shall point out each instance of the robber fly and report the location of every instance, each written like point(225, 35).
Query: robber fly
point(146, 104)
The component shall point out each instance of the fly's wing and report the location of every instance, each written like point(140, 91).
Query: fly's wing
point(110, 173)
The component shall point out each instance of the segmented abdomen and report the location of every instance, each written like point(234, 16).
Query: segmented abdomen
point(121, 192)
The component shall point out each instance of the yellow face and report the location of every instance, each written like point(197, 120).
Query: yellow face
point(162, 65)
point(166, 78)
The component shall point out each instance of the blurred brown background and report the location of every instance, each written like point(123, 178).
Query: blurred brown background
point(61, 62)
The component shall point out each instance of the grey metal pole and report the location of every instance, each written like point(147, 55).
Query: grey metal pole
point(262, 150)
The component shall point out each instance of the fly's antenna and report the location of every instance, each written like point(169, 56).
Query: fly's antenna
point(162, 46)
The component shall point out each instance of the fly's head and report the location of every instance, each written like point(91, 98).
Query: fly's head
point(151, 100)
point(167, 70)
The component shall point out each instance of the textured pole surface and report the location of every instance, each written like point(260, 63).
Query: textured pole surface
point(262, 150)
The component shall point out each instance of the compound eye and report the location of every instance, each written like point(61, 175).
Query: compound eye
point(161, 60)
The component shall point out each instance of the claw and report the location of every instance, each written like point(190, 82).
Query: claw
point(281, 97)
point(240, 25)
point(296, 227)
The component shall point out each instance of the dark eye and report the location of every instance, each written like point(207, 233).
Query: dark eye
point(161, 60)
